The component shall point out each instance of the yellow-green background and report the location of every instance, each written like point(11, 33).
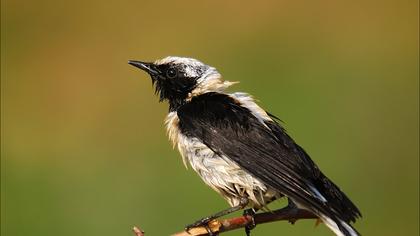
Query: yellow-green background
point(84, 150)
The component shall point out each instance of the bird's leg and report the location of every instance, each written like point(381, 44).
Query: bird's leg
point(204, 221)
point(250, 212)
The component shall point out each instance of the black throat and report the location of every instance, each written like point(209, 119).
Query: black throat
point(176, 103)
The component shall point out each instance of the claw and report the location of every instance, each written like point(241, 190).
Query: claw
point(205, 223)
point(292, 221)
point(209, 232)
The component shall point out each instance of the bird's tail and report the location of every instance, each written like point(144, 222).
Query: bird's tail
point(339, 227)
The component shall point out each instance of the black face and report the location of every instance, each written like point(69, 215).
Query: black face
point(172, 82)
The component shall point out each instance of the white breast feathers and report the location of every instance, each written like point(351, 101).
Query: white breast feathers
point(219, 172)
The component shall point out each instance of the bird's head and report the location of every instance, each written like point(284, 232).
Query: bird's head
point(178, 79)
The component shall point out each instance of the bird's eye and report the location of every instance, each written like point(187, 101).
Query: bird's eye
point(171, 73)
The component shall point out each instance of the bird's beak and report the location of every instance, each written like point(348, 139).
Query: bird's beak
point(146, 66)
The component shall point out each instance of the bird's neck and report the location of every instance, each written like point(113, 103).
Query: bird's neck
point(176, 103)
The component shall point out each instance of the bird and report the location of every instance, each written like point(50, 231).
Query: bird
point(240, 150)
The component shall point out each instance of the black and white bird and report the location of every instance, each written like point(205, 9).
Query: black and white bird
point(240, 150)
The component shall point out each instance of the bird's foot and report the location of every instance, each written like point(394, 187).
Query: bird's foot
point(250, 212)
point(204, 222)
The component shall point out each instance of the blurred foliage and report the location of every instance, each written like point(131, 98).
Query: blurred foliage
point(84, 150)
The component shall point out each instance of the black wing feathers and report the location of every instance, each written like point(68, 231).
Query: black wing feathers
point(265, 151)
point(334, 196)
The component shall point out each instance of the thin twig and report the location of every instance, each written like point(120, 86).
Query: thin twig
point(218, 226)
point(224, 225)
point(137, 231)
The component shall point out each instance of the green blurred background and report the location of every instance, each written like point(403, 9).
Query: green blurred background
point(84, 149)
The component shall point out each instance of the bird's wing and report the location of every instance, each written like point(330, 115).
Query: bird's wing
point(264, 150)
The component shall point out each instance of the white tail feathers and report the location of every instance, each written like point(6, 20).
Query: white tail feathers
point(344, 230)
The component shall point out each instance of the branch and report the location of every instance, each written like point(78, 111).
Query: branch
point(224, 225)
